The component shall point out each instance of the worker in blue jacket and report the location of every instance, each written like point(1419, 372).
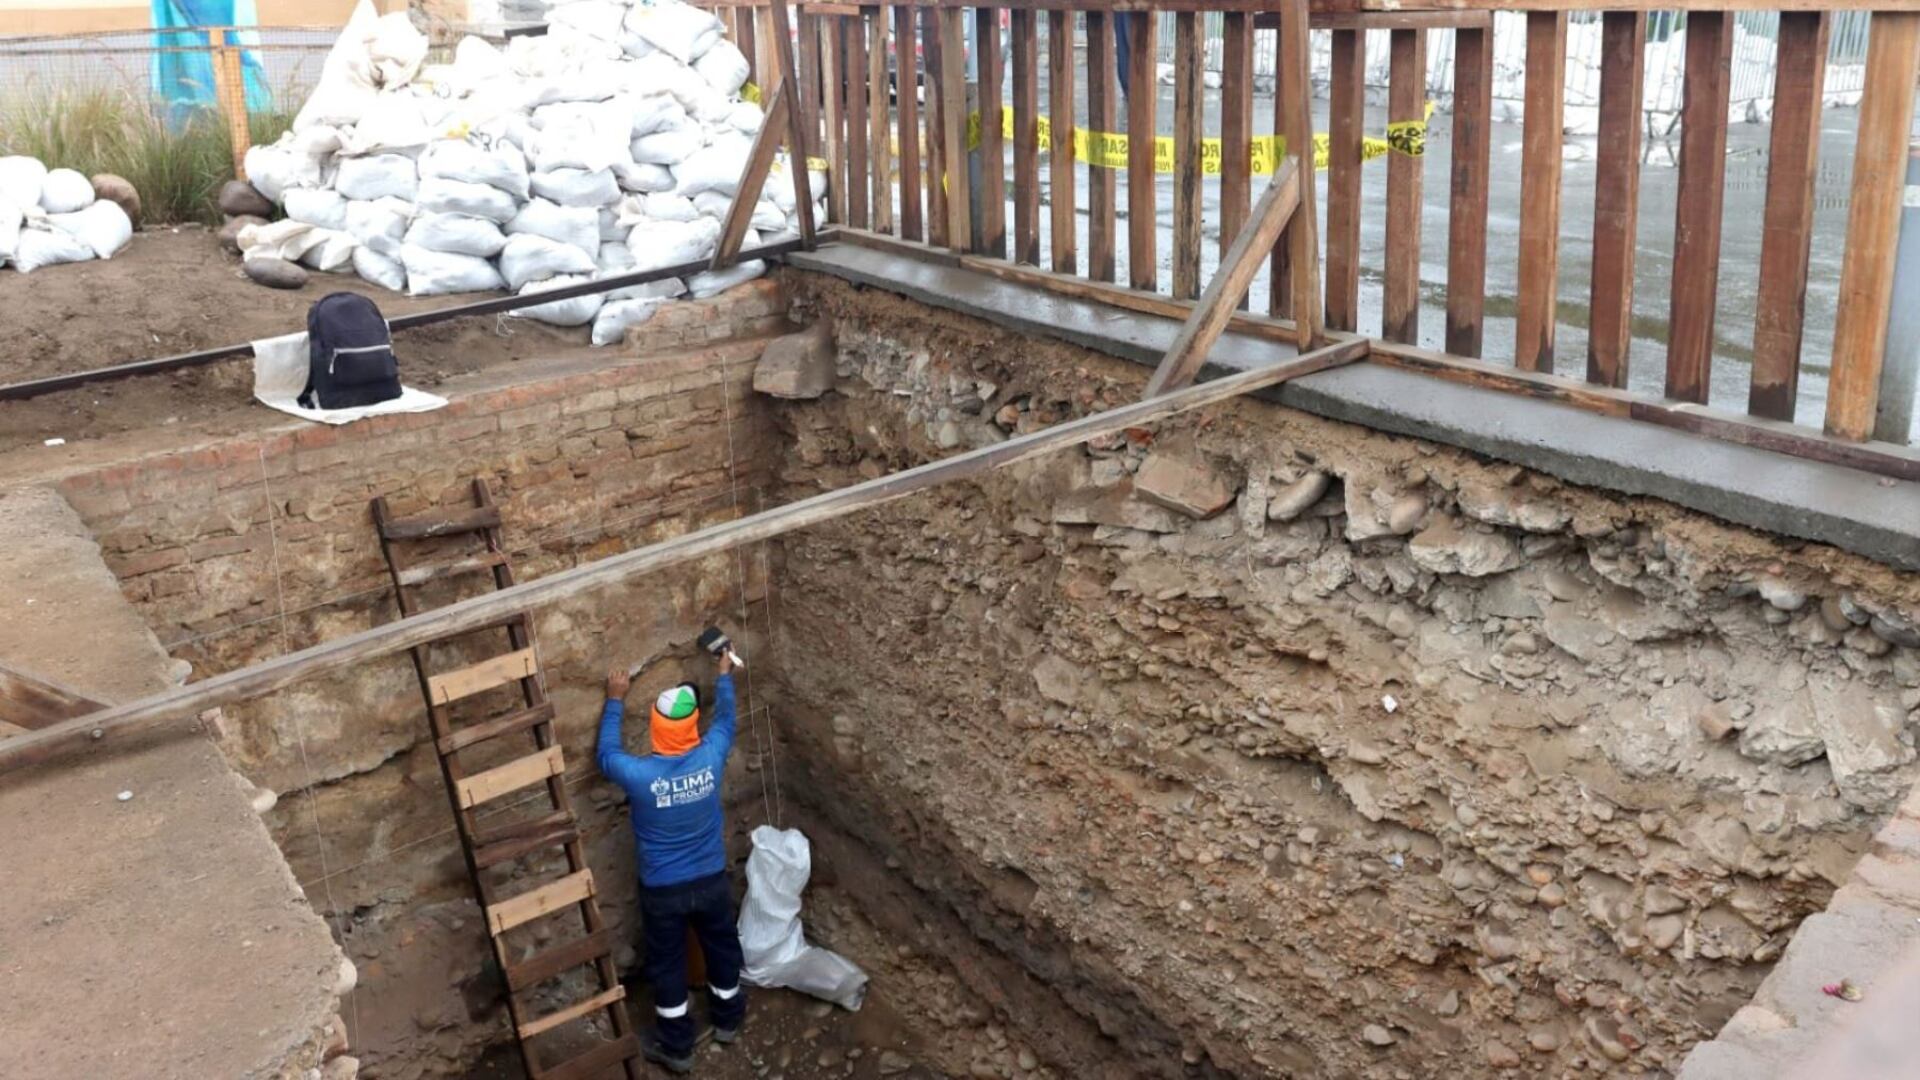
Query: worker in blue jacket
point(674, 797)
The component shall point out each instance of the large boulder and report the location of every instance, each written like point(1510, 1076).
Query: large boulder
point(229, 233)
point(237, 197)
point(798, 366)
point(1185, 482)
point(118, 190)
point(276, 273)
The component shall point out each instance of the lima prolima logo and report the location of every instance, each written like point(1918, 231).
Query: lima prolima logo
point(662, 792)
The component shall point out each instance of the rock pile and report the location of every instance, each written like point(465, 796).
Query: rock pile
point(54, 216)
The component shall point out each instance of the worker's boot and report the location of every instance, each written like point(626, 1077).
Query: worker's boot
point(725, 1036)
point(657, 1053)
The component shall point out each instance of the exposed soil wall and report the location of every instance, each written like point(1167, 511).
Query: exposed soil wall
point(1267, 745)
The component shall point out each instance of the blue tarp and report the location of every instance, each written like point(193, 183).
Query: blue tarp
point(184, 79)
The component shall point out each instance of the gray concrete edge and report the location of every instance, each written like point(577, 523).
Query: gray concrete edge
point(1874, 516)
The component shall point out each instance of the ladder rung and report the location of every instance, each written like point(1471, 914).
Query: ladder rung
point(544, 1024)
point(593, 1062)
point(514, 775)
point(420, 575)
point(542, 966)
point(485, 675)
point(518, 829)
point(442, 523)
point(496, 853)
point(545, 900)
point(519, 720)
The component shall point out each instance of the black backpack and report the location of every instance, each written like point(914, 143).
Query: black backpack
point(349, 354)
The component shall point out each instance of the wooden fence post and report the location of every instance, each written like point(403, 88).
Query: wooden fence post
point(230, 90)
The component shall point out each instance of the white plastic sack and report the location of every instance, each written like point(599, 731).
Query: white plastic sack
point(669, 243)
point(767, 217)
point(319, 207)
point(332, 250)
point(776, 953)
point(577, 187)
point(345, 90)
point(666, 206)
point(377, 177)
point(65, 191)
point(430, 273)
point(746, 117)
point(394, 51)
point(578, 311)
point(21, 178)
point(724, 67)
point(275, 169)
point(287, 239)
point(611, 227)
point(443, 196)
point(48, 247)
point(656, 112)
point(576, 135)
point(716, 167)
point(528, 258)
point(457, 234)
point(616, 316)
point(103, 227)
point(385, 271)
point(381, 224)
point(502, 165)
point(595, 18)
point(713, 204)
point(715, 282)
point(616, 260)
point(665, 147)
point(680, 30)
point(576, 225)
point(643, 178)
point(11, 217)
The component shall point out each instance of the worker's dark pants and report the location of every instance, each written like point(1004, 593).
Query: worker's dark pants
point(705, 904)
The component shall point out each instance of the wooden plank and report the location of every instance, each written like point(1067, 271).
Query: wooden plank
point(1236, 127)
point(879, 137)
point(1143, 220)
point(993, 150)
point(1026, 138)
point(1189, 63)
point(1873, 224)
point(741, 33)
point(1396, 20)
point(1063, 231)
point(519, 830)
point(1340, 9)
point(1215, 310)
point(1786, 227)
point(514, 775)
point(1539, 269)
point(810, 78)
point(833, 97)
point(935, 139)
point(558, 960)
point(31, 702)
point(509, 724)
point(1260, 326)
point(470, 564)
point(801, 125)
point(1280, 273)
point(443, 523)
point(953, 124)
point(853, 40)
point(244, 684)
point(1616, 195)
point(478, 678)
point(1467, 201)
point(767, 72)
point(1346, 118)
point(1102, 87)
point(230, 93)
point(1697, 207)
point(1303, 231)
point(594, 1062)
point(753, 178)
point(906, 65)
point(545, 900)
point(1406, 100)
point(486, 855)
point(604, 999)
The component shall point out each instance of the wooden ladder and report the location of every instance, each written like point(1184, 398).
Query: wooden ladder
point(526, 835)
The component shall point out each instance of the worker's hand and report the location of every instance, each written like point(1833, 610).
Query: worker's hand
point(725, 660)
point(618, 682)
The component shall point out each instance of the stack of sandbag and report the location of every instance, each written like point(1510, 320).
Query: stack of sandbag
point(53, 216)
point(611, 144)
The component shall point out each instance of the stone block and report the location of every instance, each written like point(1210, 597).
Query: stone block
point(798, 366)
point(1445, 548)
point(1185, 482)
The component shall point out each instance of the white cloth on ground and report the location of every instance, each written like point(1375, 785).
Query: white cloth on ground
point(280, 374)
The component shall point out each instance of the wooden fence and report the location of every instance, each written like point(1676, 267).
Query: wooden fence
point(889, 158)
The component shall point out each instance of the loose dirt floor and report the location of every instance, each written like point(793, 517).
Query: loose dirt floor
point(174, 290)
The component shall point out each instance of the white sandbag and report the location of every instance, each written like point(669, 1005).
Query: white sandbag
point(457, 234)
point(11, 217)
point(576, 225)
point(713, 204)
point(501, 165)
point(715, 282)
point(476, 62)
point(666, 206)
point(21, 179)
point(679, 30)
point(65, 191)
point(715, 167)
point(394, 51)
point(103, 227)
point(616, 316)
point(582, 135)
point(665, 147)
point(318, 142)
point(577, 311)
point(577, 187)
point(643, 178)
point(528, 258)
point(444, 196)
point(656, 112)
point(616, 260)
point(381, 224)
point(767, 217)
point(595, 18)
point(772, 941)
point(669, 243)
point(48, 247)
point(430, 273)
point(332, 251)
point(376, 177)
point(320, 207)
point(401, 124)
point(345, 90)
point(724, 67)
point(611, 227)
point(287, 239)
point(274, 169)
point(746, 117)
point(386, 271)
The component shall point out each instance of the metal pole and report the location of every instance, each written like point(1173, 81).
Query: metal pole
point(1900, 370)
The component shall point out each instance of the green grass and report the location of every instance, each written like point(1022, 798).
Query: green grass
point(178, 171)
